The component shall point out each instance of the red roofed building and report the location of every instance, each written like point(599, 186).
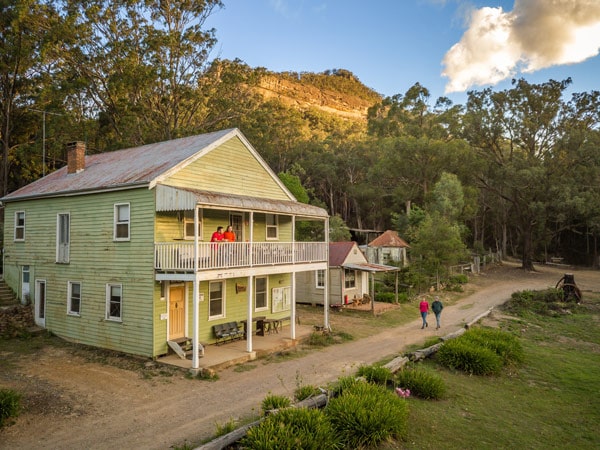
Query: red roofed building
point(348, 276)
point(387, 248)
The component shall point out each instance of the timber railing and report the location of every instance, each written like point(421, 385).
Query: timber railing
point(179, 256)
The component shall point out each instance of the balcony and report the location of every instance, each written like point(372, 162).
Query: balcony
point(179, 257)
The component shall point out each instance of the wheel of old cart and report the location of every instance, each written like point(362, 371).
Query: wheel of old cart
point(572, 292)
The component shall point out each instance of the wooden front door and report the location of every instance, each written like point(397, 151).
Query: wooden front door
point(176, 312)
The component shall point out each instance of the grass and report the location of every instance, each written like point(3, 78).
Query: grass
point(550, 401)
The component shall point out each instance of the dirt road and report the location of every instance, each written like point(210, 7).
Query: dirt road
point(98, 406)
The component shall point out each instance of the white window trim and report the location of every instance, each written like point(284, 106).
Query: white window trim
point(19, 226)
point(223, 309)
point(187, 220)
point(68, 252)
point(276, 227)
point(115, 222)
point(266, 307)
point(346, 281)
point(108, 316)
point(70, 312)
point(317, 285)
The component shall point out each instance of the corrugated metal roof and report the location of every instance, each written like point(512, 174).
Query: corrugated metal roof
point(122, 168)
point(388, 239)
point(169, 198)
point(339, 251)
point(368, 267)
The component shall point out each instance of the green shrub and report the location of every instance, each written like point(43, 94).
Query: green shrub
point(271, 402)
point(504, 344)
point(375, 374)
point(403, 297)
point(545, 302)
point(469, 357)
point(366, 415)
point(10, 405)
point(385, 297)
point(292, 428)
point(422, 383)
point(304, 392)
point(460, 278)
point(343, 384)
point(225, 428)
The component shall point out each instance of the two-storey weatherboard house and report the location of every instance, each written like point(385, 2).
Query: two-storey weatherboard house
point(113, 250)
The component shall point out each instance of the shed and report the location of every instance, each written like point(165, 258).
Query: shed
point(348, 277)
point(387, 248)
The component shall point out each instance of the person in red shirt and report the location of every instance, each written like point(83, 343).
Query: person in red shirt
point(229, 235)
point(424, 308)
point(217, 235)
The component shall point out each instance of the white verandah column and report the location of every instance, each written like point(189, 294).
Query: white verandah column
point(250, 291)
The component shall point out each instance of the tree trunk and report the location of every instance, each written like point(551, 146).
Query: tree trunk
point(527, 244)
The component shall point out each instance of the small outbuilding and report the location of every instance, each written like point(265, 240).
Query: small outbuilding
point(348, 278)
point(387, 248)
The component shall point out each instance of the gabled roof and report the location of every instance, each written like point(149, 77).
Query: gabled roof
point(389, 238)
point(141, 166)
point(339, 251)
point(338, 255)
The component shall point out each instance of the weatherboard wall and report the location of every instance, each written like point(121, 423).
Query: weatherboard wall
point(95, 260)
point(231, 168)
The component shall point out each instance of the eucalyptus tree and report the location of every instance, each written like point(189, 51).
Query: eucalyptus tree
point(418, 141)
point(140, 64)
point(30, 31)
point(519, 131)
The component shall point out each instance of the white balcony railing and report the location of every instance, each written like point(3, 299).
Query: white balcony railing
point(179, 256)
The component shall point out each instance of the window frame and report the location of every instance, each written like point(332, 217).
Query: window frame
point(211, 299)
point(273, 226)
point(264, 292)
point(109, 302)
point(348, 278)
point(70, 296)
point(19, 227)
point(117, 222)
point(320, 278)
point(67, 254)
point(190, 220)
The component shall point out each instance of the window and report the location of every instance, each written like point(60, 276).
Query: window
point(114, 302)
point(260, 293)
point(74, 298)
point(188, 224)
point(272, 226)
point(62, 238)
point(216, 303)
point(122, 222)
point(20, 226)
point(320, 278)
point(350, 277)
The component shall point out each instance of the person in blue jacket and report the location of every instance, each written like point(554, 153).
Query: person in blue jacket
point(437, 307)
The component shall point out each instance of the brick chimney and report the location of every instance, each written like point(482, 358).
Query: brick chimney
point(75, 156)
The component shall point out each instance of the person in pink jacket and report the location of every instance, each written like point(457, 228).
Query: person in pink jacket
point(424, 308)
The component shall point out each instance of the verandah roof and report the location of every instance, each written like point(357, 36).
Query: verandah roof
point(368, 267)
point(169, 198)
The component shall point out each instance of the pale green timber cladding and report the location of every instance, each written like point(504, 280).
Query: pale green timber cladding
point(95, 260)
point(236, 304)
point(169, 227)
point(231, 169)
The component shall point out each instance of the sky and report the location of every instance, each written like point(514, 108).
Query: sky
point(448, 46)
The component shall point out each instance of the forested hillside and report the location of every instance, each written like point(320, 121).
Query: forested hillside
point(516, 170)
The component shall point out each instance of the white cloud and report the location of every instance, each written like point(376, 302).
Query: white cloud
point(536, 34)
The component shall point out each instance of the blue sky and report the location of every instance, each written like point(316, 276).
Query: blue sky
point(392, 44)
